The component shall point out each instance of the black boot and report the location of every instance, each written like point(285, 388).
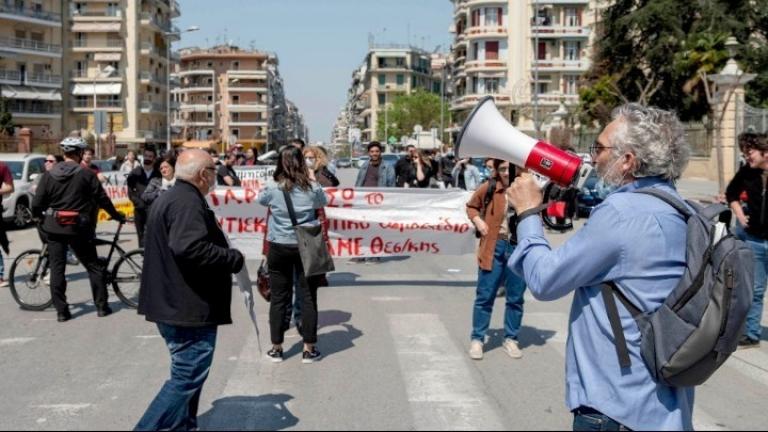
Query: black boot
point(63, 316)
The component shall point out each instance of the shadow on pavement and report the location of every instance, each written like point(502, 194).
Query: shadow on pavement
point(267, 412)
point(333, 342)
point(528, 336)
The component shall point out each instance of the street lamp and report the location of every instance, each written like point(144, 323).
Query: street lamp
point(98, 116)
point(168, 82)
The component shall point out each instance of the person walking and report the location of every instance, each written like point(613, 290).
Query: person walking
point(292, 179)
point(6, 188)
point(489, 211)
point(137, 183)
point(186, 289)
point(634, 240)
point(67, 200)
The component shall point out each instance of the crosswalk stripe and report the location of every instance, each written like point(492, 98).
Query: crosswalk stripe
point(440, 388)
point(752, 363)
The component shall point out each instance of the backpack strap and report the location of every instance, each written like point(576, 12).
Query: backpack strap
point(488, 197)
point(609, 290)
point(669, 199)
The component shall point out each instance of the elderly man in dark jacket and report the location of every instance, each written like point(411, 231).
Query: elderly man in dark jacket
point(186, 288)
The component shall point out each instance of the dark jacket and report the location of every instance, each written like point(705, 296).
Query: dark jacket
point(68, 186)
point(188, 265)
point(326, 178)
point(750, 180)
point(137, 183)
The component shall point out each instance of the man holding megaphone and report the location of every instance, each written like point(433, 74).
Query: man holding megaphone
point(636, 241)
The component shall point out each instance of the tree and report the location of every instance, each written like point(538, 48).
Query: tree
point(6, 119)
point(418, 108)
point(656, 52)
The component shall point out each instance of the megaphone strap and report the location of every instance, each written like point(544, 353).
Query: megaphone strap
point(532, 212)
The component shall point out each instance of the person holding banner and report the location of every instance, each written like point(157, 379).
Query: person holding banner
point(317, 162)
point(489, 210)
point(292, 179)
point(375, 172)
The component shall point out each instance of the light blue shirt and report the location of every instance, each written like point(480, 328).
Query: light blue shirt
point(639, 242)
point(305, 202)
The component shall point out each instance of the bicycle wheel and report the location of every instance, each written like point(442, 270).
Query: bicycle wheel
point(27, 281)
point(126, 277)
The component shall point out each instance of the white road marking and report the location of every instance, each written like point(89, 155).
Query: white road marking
point(65, 409)
point(16, 341)
point(148, 337)
point(441, 390)
point(752, 363)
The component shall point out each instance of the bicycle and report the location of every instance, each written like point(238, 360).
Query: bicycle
point(29, 278)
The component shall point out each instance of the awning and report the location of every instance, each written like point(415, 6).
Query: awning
point(96, 27)
point(97, 89)
point(30, 93)
point(107, 57)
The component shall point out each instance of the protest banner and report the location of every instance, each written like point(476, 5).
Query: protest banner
point(362, 222)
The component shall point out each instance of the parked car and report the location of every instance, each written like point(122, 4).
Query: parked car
point(361, 160)
point(591, 195)
point(25, 169)
point(105, 165)
point(344, 163)
point(392, 158)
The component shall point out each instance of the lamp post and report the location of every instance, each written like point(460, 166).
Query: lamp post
point(536, 125)
point(168, 82)
point(98, 115)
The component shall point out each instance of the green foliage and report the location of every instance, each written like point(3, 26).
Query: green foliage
point(6, 119)
point(406, 111)
point(657, 52)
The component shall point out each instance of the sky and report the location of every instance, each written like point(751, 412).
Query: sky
point(319, 42)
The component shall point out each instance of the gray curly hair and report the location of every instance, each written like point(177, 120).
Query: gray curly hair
point(656, 138)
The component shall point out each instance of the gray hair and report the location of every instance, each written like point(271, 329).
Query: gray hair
point(656, 138)
point(191, 163)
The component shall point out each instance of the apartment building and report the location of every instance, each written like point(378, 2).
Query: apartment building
point(529, 55)
point(387, 71)
point(116, 59)
point(30, 64)
point(233, 95)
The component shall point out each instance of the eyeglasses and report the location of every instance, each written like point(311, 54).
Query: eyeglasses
point(210, 168)
point(597, 148)
point(50, 161)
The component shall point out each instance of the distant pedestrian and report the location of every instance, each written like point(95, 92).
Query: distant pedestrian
point(159, 185)
point(186, 289)
point(130, 164)
point(226, 174)
point(465, 175)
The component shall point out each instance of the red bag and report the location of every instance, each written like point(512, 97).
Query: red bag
point(67, 217)
point(263, 283)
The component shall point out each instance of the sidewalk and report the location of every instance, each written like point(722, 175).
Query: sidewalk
point(698, 189)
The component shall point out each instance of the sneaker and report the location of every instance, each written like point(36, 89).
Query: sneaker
point(512, 349)
point(275, 355)
point(72, 260)
point(476, 350)
point(747, 342)
point(63, 316)
point(311, 356)
point(104, 312)
point(3, 283)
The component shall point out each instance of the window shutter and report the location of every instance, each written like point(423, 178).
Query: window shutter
point(501, 17)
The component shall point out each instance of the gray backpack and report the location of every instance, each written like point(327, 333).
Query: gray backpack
point(699, 325)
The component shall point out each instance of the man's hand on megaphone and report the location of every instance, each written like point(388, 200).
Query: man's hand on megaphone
point(524, 193)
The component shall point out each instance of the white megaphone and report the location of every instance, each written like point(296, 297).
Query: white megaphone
point(487, 133)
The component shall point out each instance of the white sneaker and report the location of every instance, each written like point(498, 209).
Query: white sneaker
point(476, 350)
point(512, 349)
point(4, 283)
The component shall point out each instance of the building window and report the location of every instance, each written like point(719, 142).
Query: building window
point(571, 85)
point(236, 133)
point(475, 51)
point(491, 17)
point(573, 50)
point(236, 65)
point(541, 52)
point(492, 50)
point(382, 79)
point(572, 17)
point(236, 100)
point(209, 116)
point(382, 99)
point(400, 61)
point(210, 99)
point(400, 79)
point(491, 85)
point(210, 64)
point(476, 18)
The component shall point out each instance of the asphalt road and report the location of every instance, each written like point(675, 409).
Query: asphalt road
point(394, 335)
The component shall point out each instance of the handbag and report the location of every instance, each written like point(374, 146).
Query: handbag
point(263, 283)
point(313, 249)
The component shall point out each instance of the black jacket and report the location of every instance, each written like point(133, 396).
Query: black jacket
point(137, 183)
point(188, 265)
point(750, 180)
point(67, 186)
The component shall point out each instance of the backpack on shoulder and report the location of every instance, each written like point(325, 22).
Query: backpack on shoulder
point(699, 325)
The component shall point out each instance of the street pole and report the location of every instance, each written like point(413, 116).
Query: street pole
point(168, 97)
point(442, 105)
point(386, 121)
point(536, 68)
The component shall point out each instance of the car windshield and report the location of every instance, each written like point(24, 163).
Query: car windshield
point(16, 168)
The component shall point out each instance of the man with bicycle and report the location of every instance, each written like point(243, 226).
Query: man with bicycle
point(67, 201)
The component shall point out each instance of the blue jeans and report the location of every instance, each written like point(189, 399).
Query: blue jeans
point(175, 407)
point(594, 421)
point(488, 285)
point(754, 329)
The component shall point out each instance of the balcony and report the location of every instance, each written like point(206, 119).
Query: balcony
point(148, 107)
point(557, 97)
point(102, 15)
point(86, 105)
point(34, 110)
point(29, 46)
point(193, 123)
point(190, 72)
point(110, 45)
point(90, 75)
point(559, 65)
point(194, 88)
point(39, 80)
point(487, 32)
point(152, 134)
point(499, 3)
point(486, 65)
point(248, 123)
point(150, 78)
point(469, 100)
point(392, 88)
point(557, 32)
point(30, 15)
point(247, 107)
point(196, 107)
point(149, 19)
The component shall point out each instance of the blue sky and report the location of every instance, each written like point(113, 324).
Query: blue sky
point(319, 42)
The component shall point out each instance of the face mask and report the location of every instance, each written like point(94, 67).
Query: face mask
point(612, 177)
point(212, 185)
point(310, 163)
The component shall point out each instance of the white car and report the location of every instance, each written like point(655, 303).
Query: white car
point(25, 169)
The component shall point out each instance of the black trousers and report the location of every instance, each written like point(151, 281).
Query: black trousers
point(140, 216)
point(85, 250)
point(283, 261)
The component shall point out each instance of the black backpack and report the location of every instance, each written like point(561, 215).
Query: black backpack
point(699, 325)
